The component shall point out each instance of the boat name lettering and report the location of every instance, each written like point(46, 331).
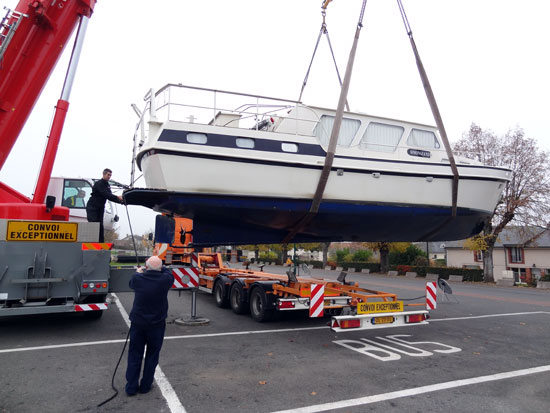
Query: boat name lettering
point(418, 152)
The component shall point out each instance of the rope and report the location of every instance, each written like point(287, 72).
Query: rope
point(131, 232)
point(321, 32)
point(310, 63)
point(434, 108)
point(329, 158)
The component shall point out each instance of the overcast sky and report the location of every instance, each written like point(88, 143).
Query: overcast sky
point(488, 62)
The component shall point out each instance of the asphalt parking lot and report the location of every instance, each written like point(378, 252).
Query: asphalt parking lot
point(486, 349)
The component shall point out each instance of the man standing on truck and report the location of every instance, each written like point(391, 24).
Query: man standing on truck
point(148, 317)
point(101, 192)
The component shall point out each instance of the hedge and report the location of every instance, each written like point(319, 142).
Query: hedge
point(372, 266)
point(444, 272)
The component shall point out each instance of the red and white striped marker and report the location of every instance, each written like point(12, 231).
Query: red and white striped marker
point(316, 300)
point(431, 295)
point(162, 249)
point(90, 307)
point(194, 259)
point(185, 277)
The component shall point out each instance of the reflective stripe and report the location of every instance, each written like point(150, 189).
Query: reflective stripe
point(431, 295)
point(90, 307)
point(97, 246)
point(316, 301)
point(162, 248)
point(185, 277)
point(194, 260)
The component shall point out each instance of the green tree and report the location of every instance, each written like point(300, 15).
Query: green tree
point(407, 257)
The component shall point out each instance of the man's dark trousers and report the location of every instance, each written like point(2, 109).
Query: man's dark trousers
point(96, 215)
point(139, 337)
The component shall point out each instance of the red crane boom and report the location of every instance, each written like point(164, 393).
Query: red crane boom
point(32, 38)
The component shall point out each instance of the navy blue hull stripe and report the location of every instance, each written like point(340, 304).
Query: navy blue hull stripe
point(268, 145)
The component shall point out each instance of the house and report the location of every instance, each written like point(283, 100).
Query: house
point(125, 246)
point(434, 250)
point(525, 252)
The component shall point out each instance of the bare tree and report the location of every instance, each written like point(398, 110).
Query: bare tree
point(384, 249)
point(111, 235)
point(325, 246)
point(525, 198)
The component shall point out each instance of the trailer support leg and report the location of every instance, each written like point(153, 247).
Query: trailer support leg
point(194, 320)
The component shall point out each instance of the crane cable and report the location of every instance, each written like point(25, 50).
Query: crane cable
point(321, 32)
point(434, 108)
point(329, 158)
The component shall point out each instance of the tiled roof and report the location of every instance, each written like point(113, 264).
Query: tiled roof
point(534, 237)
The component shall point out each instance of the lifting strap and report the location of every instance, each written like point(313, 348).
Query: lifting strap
point(321, 32)
point(434, 108)
point(329, 158)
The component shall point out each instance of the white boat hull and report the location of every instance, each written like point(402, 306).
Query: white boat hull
point(244, 185)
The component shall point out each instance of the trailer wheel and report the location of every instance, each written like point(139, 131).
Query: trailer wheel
point(237, 299)
point(220, 294)
point(258, 306)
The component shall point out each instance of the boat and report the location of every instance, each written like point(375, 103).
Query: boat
point(245, 168)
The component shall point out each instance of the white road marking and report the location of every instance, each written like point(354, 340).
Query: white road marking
point(416, 391)
point(488, 316)
point(235, 333)
point(175, 405)
point(95, 343)
point(165, 387)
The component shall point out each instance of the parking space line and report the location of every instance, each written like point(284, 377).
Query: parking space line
point(488, 316)
point(416, 391)
point(246, 333)
point(240, 333)
point(165, 387)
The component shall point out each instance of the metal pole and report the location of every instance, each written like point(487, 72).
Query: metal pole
point(194, 303)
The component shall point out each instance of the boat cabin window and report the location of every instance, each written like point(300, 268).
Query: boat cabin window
point(381, 137)
point(348, 129)
point(245, 143)
point(196, 138)
point(289, 147)
point(423, 139)
point(76, 193)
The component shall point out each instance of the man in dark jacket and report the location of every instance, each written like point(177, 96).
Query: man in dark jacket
point(148, 317)
point(101, 192)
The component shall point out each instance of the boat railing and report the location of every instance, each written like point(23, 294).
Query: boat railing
point(189, 104)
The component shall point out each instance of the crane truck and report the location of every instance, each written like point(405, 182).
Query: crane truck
point(49, 264)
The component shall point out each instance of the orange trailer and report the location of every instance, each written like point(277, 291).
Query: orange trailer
point(265, 295)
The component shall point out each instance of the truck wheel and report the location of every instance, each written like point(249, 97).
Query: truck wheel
point(220, 294)
point(237, 299)
point(258, 306)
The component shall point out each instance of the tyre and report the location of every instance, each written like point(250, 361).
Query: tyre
point(220, 293)
point(258, 306)
point(237, 299)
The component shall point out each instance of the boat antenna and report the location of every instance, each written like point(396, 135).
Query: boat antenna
point(329, 158)
point(321, 32)
point(434, 108)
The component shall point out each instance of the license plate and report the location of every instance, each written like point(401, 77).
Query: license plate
point(380, 307)
point(382, 320)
